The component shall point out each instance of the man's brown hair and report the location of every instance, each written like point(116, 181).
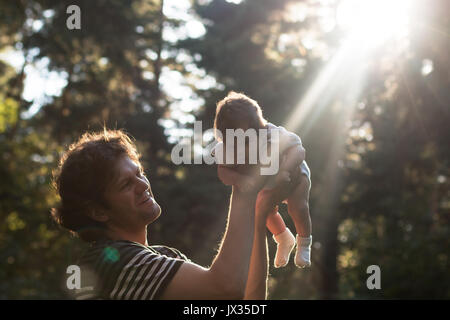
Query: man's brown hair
point(235, 111)
point(85, 171)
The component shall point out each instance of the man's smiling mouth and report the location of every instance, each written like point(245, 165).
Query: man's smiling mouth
point(147, 199)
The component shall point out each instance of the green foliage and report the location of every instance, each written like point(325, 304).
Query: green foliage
point(8, 113)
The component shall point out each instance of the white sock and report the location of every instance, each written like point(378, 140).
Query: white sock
point(285, 243)
point(303, 253)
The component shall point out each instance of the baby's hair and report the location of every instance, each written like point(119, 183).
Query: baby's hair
point(235, 111)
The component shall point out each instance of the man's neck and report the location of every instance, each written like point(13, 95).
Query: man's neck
point(139, 237)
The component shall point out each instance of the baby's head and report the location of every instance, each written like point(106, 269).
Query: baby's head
point(237, 111)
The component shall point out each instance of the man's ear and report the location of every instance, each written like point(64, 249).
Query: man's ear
point(98, 215)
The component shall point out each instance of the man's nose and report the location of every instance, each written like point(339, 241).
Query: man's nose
point(142, 186)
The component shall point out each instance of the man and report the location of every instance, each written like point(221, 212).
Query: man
point(107, 201)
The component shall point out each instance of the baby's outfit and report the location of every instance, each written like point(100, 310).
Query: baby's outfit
point(286, 140)
point(286, 240)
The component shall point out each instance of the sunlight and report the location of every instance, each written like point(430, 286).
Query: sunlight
point(341, 79)
point(338, 86)
point(374, 21)
point(366, 24)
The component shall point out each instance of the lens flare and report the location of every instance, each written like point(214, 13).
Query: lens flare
point(111, 254)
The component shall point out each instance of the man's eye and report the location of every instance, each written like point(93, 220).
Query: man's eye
point(125, 185)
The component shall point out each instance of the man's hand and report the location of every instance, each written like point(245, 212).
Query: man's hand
point(231, 177)
point(249, 180)
point(247, 184)
point(267, 200)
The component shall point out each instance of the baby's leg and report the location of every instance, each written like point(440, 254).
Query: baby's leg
point(298, 208)
point(275, 222)
point(283, 237)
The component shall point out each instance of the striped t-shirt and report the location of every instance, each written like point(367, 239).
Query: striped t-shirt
point(123, 269)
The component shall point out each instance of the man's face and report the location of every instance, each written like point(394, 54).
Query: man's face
point(130, 198)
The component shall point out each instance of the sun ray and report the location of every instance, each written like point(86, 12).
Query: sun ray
point(413, 103)
point(345, 68)
point(343, 80)
point(435, 29)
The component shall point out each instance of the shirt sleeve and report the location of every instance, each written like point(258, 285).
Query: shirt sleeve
point(145, 276)
point(288, 139)
point(171, 252)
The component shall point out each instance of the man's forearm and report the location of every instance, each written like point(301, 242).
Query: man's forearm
point(256, 288)
point(233, 259)
point(228, 176)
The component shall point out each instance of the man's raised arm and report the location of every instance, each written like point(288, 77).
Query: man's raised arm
point(227, 276)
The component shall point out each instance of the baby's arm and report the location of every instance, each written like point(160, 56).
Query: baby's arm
point(293, 158)
point(292, 151)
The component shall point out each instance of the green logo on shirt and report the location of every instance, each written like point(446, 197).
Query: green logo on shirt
point(111, 254)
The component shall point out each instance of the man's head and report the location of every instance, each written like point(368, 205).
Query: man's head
point(102, 187)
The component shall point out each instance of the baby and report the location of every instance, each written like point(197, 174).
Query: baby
point(237, 111)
